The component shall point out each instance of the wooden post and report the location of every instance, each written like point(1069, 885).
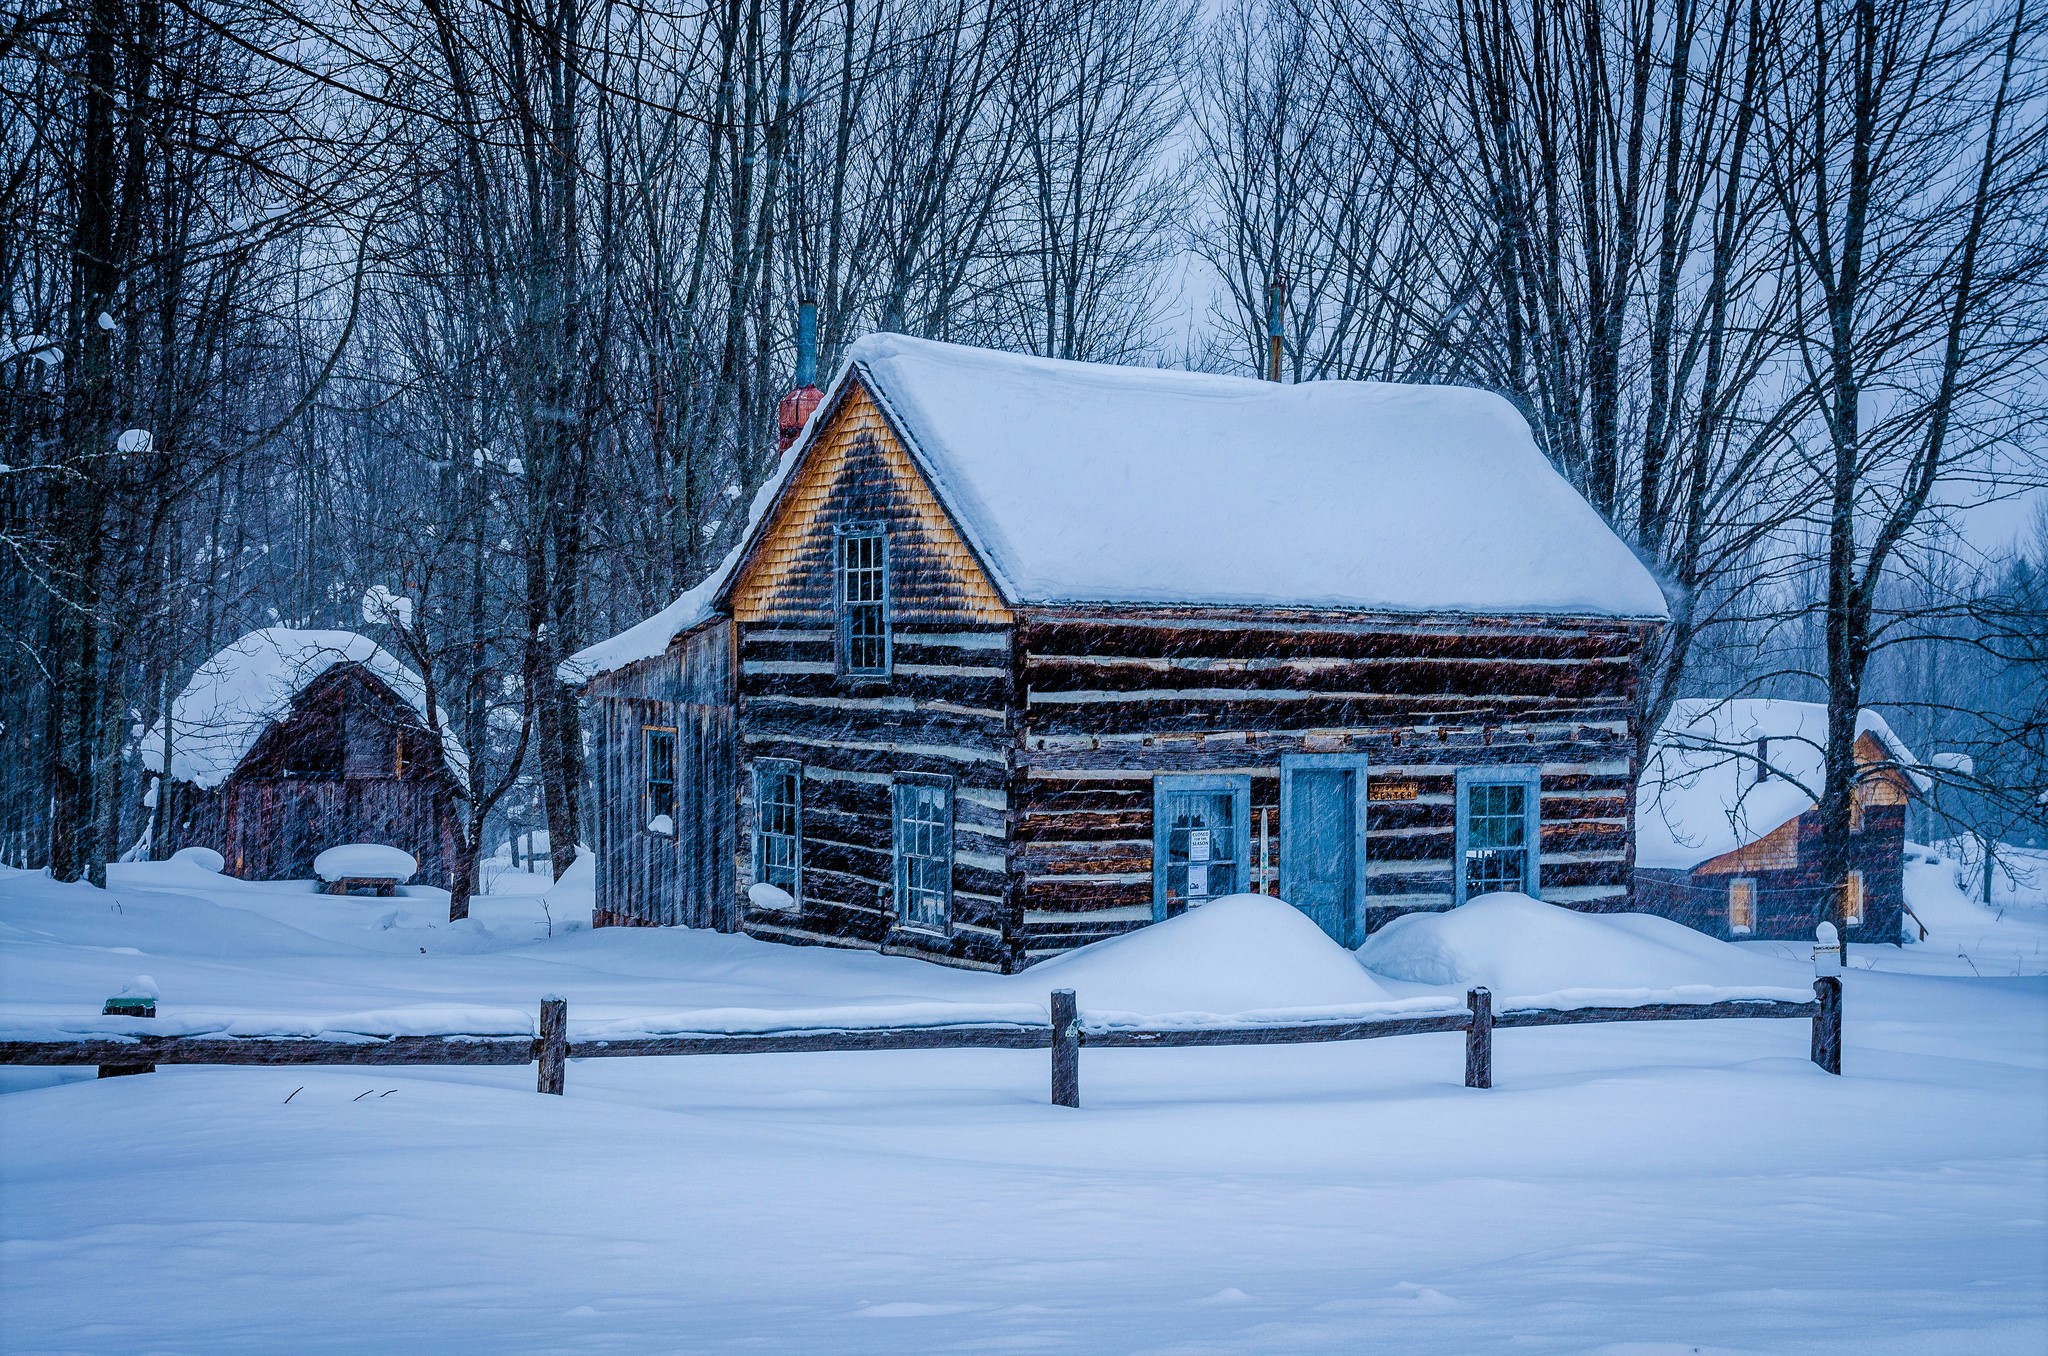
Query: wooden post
point(1066, 1049)
point(1827, 1024)
point(1479, 1039)
point(554, 1044)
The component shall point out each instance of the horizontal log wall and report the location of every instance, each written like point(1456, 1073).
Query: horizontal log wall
point(1110, 700)
point(946, 710)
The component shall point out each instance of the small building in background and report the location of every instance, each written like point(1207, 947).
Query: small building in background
point(1018, 654)
point(1728, 825)
point(288, 742)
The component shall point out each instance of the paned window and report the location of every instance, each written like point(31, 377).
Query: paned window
point(863, 598)
point(1742, 905)
point(1497, 831)
point(661, 774)
point(778, 825)
point(924, 852)
point(1201, 837)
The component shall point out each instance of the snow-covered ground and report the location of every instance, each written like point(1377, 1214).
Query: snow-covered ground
point(1656, 1188)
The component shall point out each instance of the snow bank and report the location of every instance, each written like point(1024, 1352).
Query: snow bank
point(365, 859)
point(1083, 482)
point(1242, 958)
point(1699, 795)
point(1533, 954)
point(248, 686)
point(204, 858)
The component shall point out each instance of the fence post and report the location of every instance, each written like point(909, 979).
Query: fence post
point(1479, 1039)
point(1827, 1024)
point(1066, 1049)
point(554, 1044)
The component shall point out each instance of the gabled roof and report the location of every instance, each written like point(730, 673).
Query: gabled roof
point(1086, 483)
point(1079, 483)
point(1699, 796)
point(250, 685)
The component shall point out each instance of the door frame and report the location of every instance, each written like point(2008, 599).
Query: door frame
point(1355, 764)
point(1239, 787)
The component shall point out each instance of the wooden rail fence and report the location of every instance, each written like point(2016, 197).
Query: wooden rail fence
point(1064, 1035)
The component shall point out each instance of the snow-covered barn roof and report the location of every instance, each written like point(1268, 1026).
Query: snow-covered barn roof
point(1699, 796)
point(1082, 483)
point(238, 694)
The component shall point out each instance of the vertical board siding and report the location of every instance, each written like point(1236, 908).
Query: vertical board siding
point(1108, 701)
point(686, 878)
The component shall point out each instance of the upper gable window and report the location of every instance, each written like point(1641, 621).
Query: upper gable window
point(861, 599)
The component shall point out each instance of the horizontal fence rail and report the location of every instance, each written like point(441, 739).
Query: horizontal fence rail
point(1064, 1035)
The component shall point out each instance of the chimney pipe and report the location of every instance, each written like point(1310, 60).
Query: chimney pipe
point(806, 343)
point(1275, 314)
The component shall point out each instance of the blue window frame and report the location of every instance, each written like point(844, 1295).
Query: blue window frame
point(1201, 840)
point(1499, 831)
point(779, 825)
point(860, 601)
point(924, 851)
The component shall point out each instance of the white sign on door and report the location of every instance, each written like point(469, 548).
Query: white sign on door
point(1198, 845)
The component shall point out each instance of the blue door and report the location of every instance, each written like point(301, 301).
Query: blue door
point(1322, 840)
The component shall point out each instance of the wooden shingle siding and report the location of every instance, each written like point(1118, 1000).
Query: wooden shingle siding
point(857, 472)
point(1108, 701)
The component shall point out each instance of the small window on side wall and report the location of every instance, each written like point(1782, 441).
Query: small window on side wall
point(861, 602)
point(1852, 901)
point(924, 852)
point(1742, 906)
point(778, 826)
point(660, 742)
point(1499, 831)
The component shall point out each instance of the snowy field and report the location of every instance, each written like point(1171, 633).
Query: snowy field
point(1672, 1187)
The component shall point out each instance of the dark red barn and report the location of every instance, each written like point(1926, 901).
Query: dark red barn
point(289, 742)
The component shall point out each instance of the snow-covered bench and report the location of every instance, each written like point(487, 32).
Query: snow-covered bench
point(363, 869)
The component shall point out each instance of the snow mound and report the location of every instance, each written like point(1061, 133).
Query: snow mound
point(1242, 957)
point(765, 896)
point(1533, 954)
point(205, 858)
point(365, 859)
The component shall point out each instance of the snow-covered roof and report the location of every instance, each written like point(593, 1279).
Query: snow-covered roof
point(1086, 483)
point(250, 685)
point(1699, 796)
point(1089, 483)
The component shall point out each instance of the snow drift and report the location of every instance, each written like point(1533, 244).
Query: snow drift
point(1239, 958)
point(1533, 954)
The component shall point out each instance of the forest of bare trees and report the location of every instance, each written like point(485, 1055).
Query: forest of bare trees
point(486, 305)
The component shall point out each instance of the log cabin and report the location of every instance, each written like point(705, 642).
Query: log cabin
point(1728, 829)
point(288, 742)
point(1018, 654)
